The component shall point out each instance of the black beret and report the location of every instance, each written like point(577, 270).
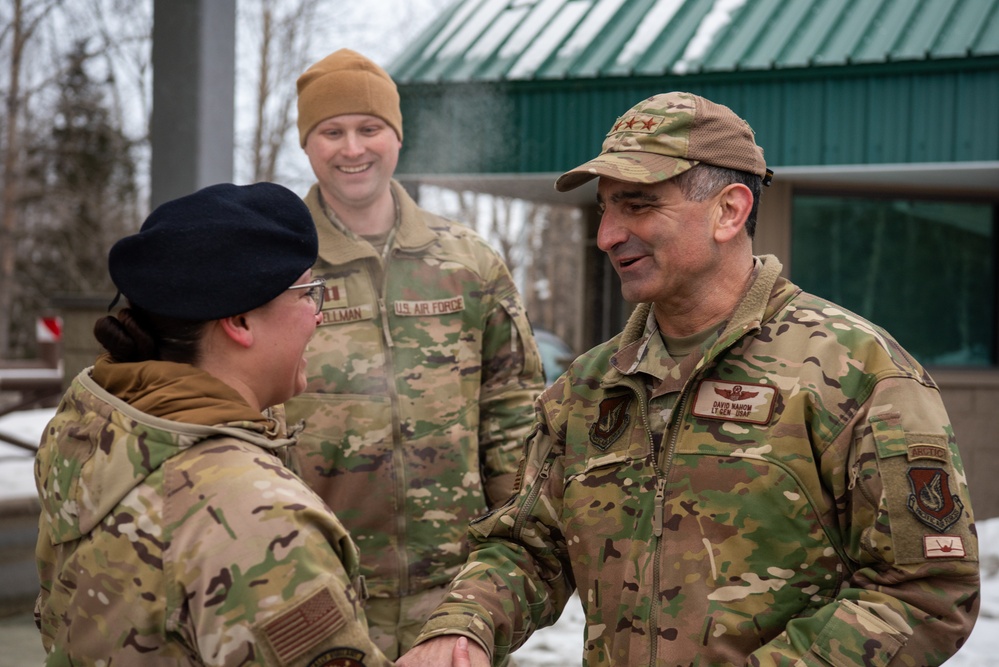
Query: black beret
point(222, 251)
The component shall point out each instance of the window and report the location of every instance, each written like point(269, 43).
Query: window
point(923, 270)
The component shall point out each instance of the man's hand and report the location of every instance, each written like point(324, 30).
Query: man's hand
point(447, 651)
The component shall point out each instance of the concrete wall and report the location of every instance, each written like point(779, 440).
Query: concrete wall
point(18, 533)
point(79, 347)
point(972, 400)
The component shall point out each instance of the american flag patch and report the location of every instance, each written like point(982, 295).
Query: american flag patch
point(301, 627)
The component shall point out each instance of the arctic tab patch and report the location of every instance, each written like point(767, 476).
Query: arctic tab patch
point(734, 401)
point(926, 450)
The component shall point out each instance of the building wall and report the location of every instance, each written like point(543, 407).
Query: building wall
point(899, 113)
point(971, 398)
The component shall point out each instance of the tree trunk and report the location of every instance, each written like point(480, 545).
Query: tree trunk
point(9, 214)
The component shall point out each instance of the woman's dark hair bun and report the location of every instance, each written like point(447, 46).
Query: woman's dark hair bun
point(125, 338)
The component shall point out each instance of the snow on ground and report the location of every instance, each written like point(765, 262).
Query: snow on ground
point(560, 644)
point(16, 464)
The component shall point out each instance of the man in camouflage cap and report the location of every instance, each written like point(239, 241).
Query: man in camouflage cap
point(747, 474)
point(423, 372)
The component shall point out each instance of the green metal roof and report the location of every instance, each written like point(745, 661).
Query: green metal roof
point(516, 40)
point(531, 86)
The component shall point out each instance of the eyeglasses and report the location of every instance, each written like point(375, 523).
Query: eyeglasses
point(316, 292)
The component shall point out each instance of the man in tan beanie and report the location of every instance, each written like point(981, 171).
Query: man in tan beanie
point(423, 371)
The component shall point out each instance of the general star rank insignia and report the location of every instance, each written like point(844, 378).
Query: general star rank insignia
point(611, 423)
point(931, 500)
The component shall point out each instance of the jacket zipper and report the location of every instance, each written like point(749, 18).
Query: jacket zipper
point(383, 310)
point(518, 525)
point(657, 521)
point(398, 460)
point(657, 528)
point(676, 417)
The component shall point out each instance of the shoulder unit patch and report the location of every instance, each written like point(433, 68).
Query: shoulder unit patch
point(931, 500)
point(611, 422)
point(338, 657)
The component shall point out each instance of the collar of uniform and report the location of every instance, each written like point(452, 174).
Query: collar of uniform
point(174, 391)
point(338, 246)
point(767, 293)
point(632, 345)
point(414, 227)
point(647, 354)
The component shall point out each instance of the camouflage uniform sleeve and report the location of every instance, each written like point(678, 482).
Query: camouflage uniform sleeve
point(262, 572)
point(907, 530)
point(517, 577)
point(512, 377)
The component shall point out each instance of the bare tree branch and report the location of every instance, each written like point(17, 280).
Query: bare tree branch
point(281, 35)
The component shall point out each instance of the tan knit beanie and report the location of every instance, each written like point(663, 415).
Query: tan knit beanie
point(346, 82)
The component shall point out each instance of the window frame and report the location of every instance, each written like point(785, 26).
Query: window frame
point(775, 229)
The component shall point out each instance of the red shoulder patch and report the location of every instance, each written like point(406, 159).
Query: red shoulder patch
point(931, 500)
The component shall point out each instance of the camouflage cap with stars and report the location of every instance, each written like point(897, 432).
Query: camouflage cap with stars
point(667, 134)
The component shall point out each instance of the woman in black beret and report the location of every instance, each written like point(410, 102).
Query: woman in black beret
point(171, 533)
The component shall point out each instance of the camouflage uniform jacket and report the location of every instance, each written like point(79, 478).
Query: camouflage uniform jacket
point(422, 377)
point(169, 543)
point(805, 504)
